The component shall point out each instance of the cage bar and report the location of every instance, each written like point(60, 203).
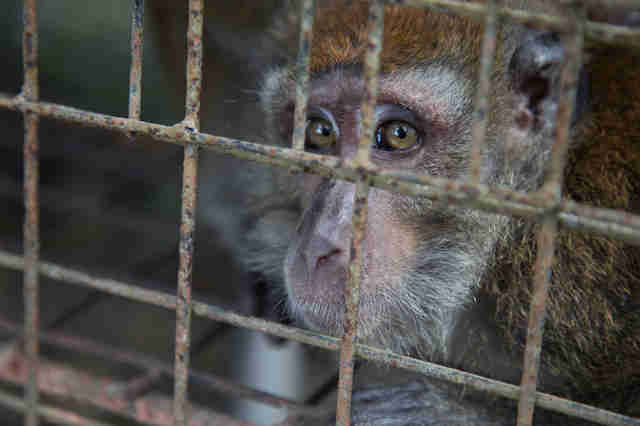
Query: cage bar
point(52, 414)
point(375, 23)
point(545, 205)
point(103, 394)
point(352, 301)
point(137, 47)
point(546, 235)
point(184, 300)
point(621, 225)
point(371, 78)
point(31, 289)
point(194, 65)
point(569, 82)
point(138, 386)
point(537, 311)
point(481, 102)
point(155, 367)
point(321, 341)
point(307, 10)
point(594, 31)
point(191, 123)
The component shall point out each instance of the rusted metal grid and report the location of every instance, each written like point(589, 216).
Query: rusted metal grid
point(32, 219)
point(545, 205)
point(137, 45)
point(132, 399)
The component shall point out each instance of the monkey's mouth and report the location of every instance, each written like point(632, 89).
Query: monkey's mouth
point(316, 292)
point(316, 295)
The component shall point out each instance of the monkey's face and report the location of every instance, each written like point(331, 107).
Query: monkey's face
point(421, 261)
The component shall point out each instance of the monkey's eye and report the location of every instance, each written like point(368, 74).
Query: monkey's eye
point(396, 136)
point(320, 135)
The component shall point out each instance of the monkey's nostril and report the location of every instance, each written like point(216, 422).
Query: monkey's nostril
point(325, 258)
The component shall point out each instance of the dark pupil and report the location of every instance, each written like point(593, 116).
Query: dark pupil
point(400, 132)
point(324, 130)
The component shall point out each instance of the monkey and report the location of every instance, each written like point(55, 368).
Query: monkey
point(446, 283)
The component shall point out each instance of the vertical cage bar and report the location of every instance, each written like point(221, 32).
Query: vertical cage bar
point(31, 223)
point(537, 311)
point(352, 299)
point(481, 104)
point(137, 44)
point(194, 65)
point(307, 9)
point(184, 308)
point(569, 87)
point(189, 198)
point(546, 235)
point(352, 290)
point(371, 69)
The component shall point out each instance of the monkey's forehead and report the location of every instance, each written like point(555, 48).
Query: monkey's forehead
point(436, 91)
point(411, 36)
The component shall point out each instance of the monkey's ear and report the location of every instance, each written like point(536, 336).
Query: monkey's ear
point(534, 70)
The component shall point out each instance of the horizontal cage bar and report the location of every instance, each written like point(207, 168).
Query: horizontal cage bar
point(616, 224)
point(215, 313)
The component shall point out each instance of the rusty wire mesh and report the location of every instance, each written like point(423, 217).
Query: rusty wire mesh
point(545, 205)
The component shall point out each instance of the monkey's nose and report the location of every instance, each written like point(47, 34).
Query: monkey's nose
point(322, 252)
point(325, 258)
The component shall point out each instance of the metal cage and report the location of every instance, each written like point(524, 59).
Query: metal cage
point(545, 206)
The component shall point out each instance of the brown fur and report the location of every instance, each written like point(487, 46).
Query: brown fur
point(410, 36)
point(591, 333)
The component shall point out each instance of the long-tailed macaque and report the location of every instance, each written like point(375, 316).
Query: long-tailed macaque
point(444, 283)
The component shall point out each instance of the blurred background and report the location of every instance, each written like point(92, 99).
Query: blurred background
point(110, 206)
